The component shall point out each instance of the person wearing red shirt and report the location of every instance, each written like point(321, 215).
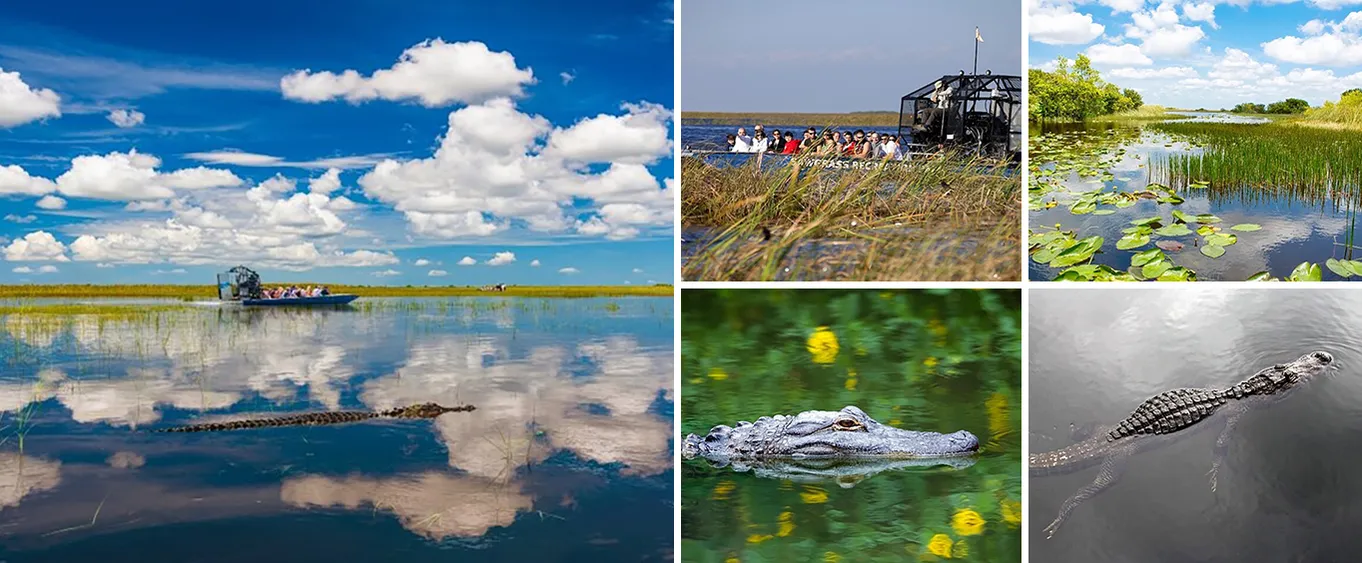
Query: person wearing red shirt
point(791, 145)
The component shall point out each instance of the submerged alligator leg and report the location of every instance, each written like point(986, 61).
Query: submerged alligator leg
point(1222, 444)
point(1112, 468)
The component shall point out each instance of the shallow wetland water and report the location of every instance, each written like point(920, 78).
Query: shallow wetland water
point(567, 458)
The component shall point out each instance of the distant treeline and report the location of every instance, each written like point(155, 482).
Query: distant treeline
point(1076, 91)
point(819, 120)
point(208, 292)
point(1284, 107)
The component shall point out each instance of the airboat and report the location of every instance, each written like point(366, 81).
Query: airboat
point(979, 122)
point(242, 285)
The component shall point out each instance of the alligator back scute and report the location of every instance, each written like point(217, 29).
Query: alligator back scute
point(425, 410)
point(1171, 411)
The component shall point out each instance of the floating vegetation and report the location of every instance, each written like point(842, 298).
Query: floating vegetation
point(1092, 171)
point(937, 219)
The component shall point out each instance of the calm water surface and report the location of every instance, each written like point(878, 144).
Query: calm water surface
point(922, 360)
point(568, 456)
point(1289, 487)
point(1293, 230)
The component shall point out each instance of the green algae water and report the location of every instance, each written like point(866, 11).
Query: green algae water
point(927, 360)
point(568, 456)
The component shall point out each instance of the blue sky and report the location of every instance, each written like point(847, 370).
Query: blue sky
point(1207, 53)
point(346, 141)
point(817, 56)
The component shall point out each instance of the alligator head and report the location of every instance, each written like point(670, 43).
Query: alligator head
point(1284, 376)
point(425, 410)
point(848, 433)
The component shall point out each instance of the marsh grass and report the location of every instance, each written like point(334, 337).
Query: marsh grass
point(859, 119)
point(209, 293)
point(1309, 164)
point(1144, 113)
point(937, 219)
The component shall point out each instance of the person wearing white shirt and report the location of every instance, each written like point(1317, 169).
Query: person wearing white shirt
point(759, 141)
point(891, 148)
point(743, 142)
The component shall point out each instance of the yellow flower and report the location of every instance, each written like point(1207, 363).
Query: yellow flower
point(717, 374)
point(967, 522)
point(758, 538)
point(831, 557)
point(851, 380)
point(1012, 512)
point(823, 345)
point(732, 559)
point(940, 545)
point(786, 525)
point(930, 362)
point(723, 490)
point(813, 495)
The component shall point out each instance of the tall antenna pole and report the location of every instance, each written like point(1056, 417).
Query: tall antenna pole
point(977, 40)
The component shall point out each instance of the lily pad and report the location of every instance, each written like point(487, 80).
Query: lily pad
point(1212, 250)
point(1178, 274)
point(1132, 241)
point(1246, 227)
point(1261, 276)
point(1174, 230)
point(1221, 239)
point(1153, 270)
point(1104, 212)
point(1205, 230)
point(1339, 267)
point(1078, 253)
point(1150, 221)
point(1180, 216)
point(1170, 245)
point(1207, 218)
point(1142, 258)
point(1306, 271)
point(1083, 208)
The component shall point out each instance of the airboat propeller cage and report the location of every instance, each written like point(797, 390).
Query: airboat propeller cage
point(984, 114)
point(238, 283)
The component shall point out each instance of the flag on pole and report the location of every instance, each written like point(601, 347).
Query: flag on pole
point(978, 37)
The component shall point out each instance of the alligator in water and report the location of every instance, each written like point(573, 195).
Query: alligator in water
point(848, 433)
point(1167, 416)
point(423, 410)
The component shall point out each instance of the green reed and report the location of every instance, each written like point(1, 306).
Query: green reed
point(935, 219)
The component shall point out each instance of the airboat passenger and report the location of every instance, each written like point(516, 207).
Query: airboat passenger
point(876, 146)
point(743, 143)
point(326, 291)
point(891, 148)
point(791, 145)
point(829, 145)
point(759, 141)
point(862, 147)
point(777, 142)
point(731, 140)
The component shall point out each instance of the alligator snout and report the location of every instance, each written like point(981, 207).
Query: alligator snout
point(1323, 357)
point(964, 441)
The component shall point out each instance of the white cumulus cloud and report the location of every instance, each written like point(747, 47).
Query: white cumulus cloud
point(125, 118)
point(438, 273)
point(501, 259)
point(467, 261)
point(569, 270)
point(1118, 55)
point(534, 264)
point(1056, 23)
point(51, 203)
point(432, 72)
point(20, 104)
point(37, 246)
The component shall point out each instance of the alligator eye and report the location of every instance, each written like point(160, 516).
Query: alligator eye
point(847, 424)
